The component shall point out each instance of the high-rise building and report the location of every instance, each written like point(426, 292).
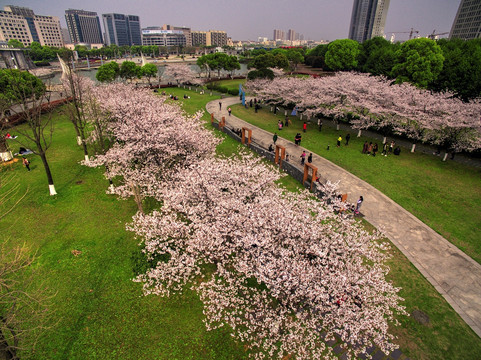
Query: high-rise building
point(24, 25)
point(122, 29)
point(83, 26)
point(291, 35)
point(467, 24)
point(279, 35)
point(368, 19)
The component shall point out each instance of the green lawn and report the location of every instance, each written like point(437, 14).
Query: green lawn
point(102, 313)
point(444, 195)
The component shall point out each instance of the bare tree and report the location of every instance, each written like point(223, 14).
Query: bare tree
point(27, 97)
point(75, 88)
point(25, 313)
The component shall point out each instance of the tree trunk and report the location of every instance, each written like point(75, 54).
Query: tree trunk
point(445, 156)
point(359, 133)
point(413, 147)
point(51, 186)
point(384, 140)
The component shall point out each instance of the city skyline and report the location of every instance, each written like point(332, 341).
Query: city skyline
point(316, 19)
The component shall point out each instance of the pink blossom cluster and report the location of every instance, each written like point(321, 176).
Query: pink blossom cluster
point(181, 73)
point(153, 139)
point(378, 103)
point(285, 266)
point(278, 268)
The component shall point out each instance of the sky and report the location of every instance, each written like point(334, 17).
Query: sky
point(249, 19)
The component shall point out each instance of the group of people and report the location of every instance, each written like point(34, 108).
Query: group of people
point(303, 158)
point(372, 149)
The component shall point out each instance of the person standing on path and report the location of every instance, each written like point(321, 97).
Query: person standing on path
point(348, 137)
point(26, 163)
point(220, 105)
point(303, 157)
point(229, 110)
point(274, 138)
point(358, 205)
point(309, 158)
point(339, 139)
point(304, 126)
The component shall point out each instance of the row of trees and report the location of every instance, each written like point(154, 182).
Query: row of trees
point(282, 266)
point(446, 65)
point(218, 62)
point(128, 71)
point(374, 102)
point(38, 52)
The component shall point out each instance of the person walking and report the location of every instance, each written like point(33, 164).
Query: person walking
point(26, 163)
point(297, 139)
point(304, 127)
point(348, 137)
point(303, 158)
point(220, 105)
point(358, 205)
point(364, 147)
point(339, 139)
point(309, 158)
point(286, 122)
point(385, 149)
point(274, 138)
point(229, 111)
point(391, 147)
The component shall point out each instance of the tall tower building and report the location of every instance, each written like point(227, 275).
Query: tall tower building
point(368, 19)
point(83, 26)
point(467, 24)
point(279, 35)
point(291, 35)
point(122, 29)
point(23, 24)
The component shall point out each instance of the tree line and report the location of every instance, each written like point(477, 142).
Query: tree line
point(445, 65)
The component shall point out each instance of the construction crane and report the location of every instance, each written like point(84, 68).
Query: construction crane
point(434, 36)
point(404, 32)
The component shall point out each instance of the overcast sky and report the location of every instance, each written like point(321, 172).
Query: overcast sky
point(249, 19)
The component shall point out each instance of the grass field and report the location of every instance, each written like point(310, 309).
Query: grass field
point(444, 195)
point(102, 313)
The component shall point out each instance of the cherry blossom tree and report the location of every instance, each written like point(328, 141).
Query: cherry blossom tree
point(182, 74)
point(285, 267)
point(375, 102)
point(153, 139)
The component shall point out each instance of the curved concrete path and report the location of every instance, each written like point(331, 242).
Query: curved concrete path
point(455, 275)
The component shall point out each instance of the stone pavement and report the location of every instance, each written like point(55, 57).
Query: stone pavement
point(455, 275)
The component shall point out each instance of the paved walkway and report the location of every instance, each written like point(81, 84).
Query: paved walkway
point(455, 275)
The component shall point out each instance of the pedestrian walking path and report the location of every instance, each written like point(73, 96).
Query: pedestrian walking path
point(455, 275)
